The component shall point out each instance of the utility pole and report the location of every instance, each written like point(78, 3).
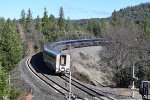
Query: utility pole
point(70, 85)
point(133, 86)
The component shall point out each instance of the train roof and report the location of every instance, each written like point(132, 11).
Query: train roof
point(50, 50)
point(80, 40)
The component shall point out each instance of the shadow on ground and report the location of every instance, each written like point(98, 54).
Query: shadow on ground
point(39, 66)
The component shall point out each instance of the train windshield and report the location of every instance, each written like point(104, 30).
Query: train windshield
point(63, 60)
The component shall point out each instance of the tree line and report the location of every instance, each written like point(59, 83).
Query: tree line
point(11, 51)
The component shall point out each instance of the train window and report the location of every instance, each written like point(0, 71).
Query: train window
point(63, 60)
point(145, 84)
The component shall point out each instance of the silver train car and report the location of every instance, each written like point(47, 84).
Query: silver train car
point(56, 61)
point(60, 63)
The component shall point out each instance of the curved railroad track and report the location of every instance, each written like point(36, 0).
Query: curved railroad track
point(87, 89)
point(42, 77)
point(59, 84)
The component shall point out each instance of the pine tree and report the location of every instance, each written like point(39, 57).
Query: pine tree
point(53, 24)
point(61, 20)
point(116, 19)
point(3, 80)
point(96, 29)
point(103, 25)
point(45, 24)
point(23, 18)
point(38, 24)
point(68, 25)
point(90, 26)
point(11, 47)
point(52, 19)
point(4, 90)
point(29, 20)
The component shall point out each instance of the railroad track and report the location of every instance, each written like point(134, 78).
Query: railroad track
point(46, 80)
point(87, 89)
point(49, 81)
point(91, 94)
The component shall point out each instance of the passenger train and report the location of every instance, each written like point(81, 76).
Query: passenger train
point(60, 63)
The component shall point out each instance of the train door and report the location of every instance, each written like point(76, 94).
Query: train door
point(145, 90)
point(63, 60)
point(64, 63)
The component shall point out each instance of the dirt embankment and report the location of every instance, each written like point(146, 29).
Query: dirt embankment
point(86, 62)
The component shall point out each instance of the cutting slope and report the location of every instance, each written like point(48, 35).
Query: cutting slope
point(86, 62)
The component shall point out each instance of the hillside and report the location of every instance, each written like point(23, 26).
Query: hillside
point(85, 62)
point(136, 13)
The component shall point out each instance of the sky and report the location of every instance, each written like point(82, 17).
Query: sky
point(74, 9)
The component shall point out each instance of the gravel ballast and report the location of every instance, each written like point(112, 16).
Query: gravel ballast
point(23, 79)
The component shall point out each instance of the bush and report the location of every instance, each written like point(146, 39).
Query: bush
point(14, 93)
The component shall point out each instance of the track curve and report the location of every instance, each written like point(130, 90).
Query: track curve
point(42, 77)
point(36, 64)
point(59, 47)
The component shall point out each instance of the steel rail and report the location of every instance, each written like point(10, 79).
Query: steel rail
point(47, 81)
point(87, 89)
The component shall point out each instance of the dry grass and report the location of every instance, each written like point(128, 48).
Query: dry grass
point(25, 96)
